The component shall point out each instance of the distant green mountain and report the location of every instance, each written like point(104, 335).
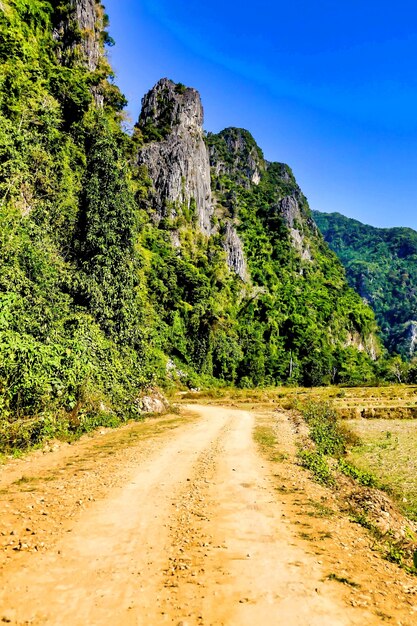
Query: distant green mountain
point(381, 265)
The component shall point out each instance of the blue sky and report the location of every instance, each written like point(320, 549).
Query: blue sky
point(328, 87)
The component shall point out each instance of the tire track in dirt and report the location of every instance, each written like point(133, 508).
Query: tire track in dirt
point(109, 569)
point(191, 539)
point(195, 536)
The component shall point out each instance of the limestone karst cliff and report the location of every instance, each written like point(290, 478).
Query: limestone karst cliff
point(233, 246)
point(177, 161)
point(235, 156)
point(175, 153)
point(78, 32)
point(80, 36)
point(257, 213)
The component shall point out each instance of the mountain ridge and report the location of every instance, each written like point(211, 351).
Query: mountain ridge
point(380, 264)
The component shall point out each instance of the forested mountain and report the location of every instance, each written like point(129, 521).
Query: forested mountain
point(167, 255)
point(381, 265)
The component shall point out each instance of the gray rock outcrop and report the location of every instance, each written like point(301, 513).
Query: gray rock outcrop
point(235, 256)
point(90, 24)
point(244, 162)
point(406, 338)
point(152, 401)
point(412, 337)
point(175, 153)
point(78, 34)
point(78, 38)
point(289, 209)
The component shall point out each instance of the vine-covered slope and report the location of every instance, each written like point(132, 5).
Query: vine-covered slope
point(304, 320)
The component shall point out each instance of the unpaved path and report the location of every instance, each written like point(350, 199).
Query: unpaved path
point(193, 534)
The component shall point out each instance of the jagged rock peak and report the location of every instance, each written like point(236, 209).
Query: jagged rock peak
point(175, 154)
point(241, 143)
point(170, 107)
point(234, 152)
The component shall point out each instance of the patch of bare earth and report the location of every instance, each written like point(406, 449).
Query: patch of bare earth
point(183, 522)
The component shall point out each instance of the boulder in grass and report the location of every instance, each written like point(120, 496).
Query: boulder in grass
point(152, 401)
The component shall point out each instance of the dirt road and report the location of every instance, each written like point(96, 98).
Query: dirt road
point(191, 533)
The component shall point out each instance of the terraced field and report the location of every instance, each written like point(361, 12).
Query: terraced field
point(385, 402)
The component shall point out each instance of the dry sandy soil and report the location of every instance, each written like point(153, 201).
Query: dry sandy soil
point(183, 521)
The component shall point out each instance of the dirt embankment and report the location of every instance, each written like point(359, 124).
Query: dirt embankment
point(183, 522)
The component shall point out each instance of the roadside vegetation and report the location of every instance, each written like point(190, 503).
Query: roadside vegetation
point(372, 493)
point(388, 449)
point(367, 463)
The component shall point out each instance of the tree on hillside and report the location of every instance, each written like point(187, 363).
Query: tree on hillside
point(105, 238)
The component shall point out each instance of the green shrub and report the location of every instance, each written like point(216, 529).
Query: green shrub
point(362, 477)
point(325, 431)
point(317, 464)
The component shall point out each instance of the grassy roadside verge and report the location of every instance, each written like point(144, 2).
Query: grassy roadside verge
point(324, 447)
point(267, 441)
point(388, 449)
point(369, 500)
point(23, 435)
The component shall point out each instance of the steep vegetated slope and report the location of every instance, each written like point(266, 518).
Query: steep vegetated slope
point(284, 310)
point(381, 264)
point(71, 329)
point(126, 261)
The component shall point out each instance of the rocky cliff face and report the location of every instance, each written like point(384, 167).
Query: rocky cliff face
point(237, 156)
point(78, 31)
point(175, 154)
point(404, 339)
point(235, 256)
point(89, 20)
point(234, 155)
point(221, 185)
point(412, 337)
point(178, 161)
point(291, 212)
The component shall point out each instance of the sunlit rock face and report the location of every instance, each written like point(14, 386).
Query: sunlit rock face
point(175, 153)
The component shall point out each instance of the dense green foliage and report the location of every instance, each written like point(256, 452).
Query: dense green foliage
point(296, 325)
point(331, 439)
point(105, 238)
point(381, 264)
point(325, 430)
point(67, 352)
point(196, 299)
point(98, 301)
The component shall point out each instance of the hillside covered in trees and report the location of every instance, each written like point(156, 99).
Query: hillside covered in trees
point(166, 257)
point(381, 265)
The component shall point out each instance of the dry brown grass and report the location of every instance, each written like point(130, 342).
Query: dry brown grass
point(390, 402)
